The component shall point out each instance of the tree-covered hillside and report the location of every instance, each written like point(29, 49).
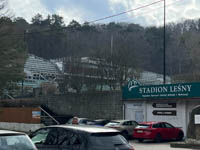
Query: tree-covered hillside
point(123, 44)
point(126, 44)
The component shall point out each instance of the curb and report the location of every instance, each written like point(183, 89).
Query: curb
point(185, 145)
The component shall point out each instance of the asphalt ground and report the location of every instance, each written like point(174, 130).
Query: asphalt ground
point(151, 145)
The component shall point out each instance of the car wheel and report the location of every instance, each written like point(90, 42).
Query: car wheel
point(158, 138)
point(125, 134)
point(140, 140)
point(180, 136)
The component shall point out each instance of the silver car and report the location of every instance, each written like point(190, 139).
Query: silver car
point(79, 137)
point(126, 127)
point(11, 140)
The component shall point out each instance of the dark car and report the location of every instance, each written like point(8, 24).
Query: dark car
point(11, 140)
point(79, 137)
point(157, 131)
point(101, 122)
point(81, 121)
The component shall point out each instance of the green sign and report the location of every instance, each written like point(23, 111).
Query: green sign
point(134, 90)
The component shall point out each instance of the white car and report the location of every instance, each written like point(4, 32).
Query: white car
point(11, 140)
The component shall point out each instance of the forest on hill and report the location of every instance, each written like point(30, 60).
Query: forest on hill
point(125, 44)
point(132, 45)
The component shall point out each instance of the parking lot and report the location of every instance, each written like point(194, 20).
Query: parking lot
point(149, 145)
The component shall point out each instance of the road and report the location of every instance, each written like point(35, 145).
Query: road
point(149, 145)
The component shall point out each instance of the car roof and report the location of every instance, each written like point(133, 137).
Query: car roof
point(82, 118)
point(8, 132)
point(87, 128)
point(150, 122)
point(121, 120)
point(102, 120)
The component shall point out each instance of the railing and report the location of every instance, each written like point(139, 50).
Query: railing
point(10, 97)
point(49, 115)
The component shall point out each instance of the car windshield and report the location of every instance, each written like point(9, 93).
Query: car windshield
point(101, 122)
point(142, 126)
point(70, 121)
point(113, 123)
point(84, 121)
point(16, 142)
point(107, 139)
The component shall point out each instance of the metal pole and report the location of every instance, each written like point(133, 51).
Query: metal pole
point(111, 49)
point(164, 45)
point(23, 79)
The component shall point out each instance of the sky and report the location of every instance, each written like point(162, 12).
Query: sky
point(90, 10)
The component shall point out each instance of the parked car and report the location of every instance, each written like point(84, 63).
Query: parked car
point(79, 137)
point(157, 131)
point(126, 127)
point(101, 122)
point(80, 121)
point(11, 140)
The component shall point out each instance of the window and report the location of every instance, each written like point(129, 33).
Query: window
point(83, 121)
point(113, 123)
point(75, 139)
point(47, 136)
point(158, 125)
point(142, 126)
point(15, 142)
point(63, 137)
point(134, 123)
point(126, 123)
point(107, 139)
point(40, 136)
point(66, 137)
point(168, 125)
point(52, 137)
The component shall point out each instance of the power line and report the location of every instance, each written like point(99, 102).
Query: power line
point(178, 1)
point(126, 11)
point(66, 28)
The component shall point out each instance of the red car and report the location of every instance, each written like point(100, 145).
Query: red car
point(157, 131)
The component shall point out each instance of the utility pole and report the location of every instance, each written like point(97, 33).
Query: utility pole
point(164, 45)
point(22, 79)
point(111, 49)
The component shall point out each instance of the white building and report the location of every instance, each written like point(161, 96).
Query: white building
point(171, 103)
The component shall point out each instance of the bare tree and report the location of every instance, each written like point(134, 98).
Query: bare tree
point(4, 9)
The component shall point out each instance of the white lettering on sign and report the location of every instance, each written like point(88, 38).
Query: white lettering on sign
point(148, 90)
point(180, 88)
point(165, 89)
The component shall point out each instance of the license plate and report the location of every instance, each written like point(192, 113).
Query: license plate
point(139, 131)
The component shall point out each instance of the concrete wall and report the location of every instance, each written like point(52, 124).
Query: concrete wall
point(95, 105)
point(178, 121)
point(23, 127)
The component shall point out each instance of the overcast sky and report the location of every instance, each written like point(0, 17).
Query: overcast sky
point(90, 10)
